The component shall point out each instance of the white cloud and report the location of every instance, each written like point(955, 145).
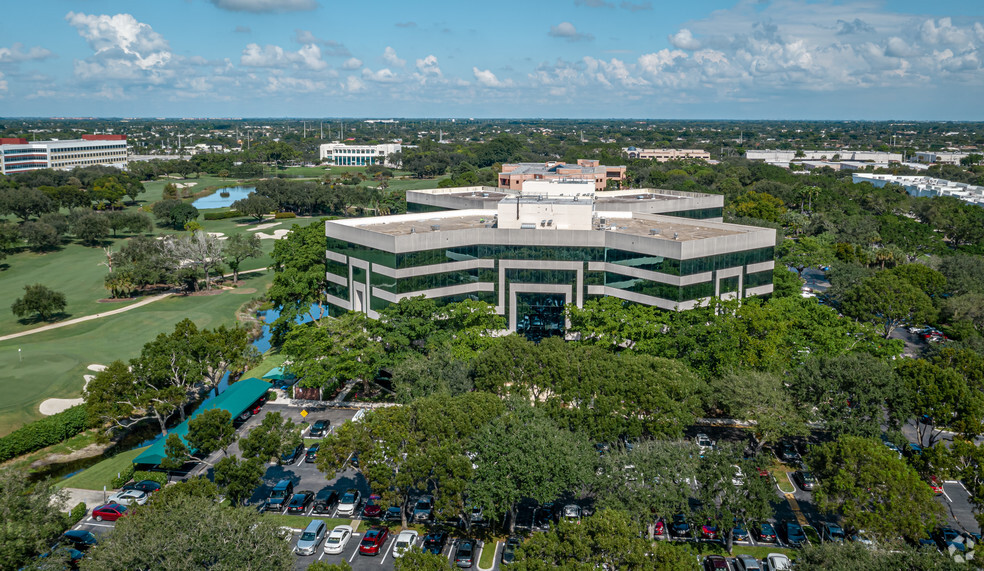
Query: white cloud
point(684, 40)
point(390, 57)
point(406, 24)
point(488, 79)
point(428, 66)
point(265, 6)
point(308, 56)
point(331, 47)
point(3, 82)
point(353, 84)
point(294, 84)
point(384, 75)
point(16, 53)
point(122, 39)
point(352, 63)
point(567, 31)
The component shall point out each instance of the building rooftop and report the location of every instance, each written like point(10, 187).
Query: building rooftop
point(602, 197)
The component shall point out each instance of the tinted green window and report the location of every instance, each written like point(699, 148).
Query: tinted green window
point(541, 276)
point(645, 287)
point(729, 284)
point(758, 279)
point(338, 268)
point(339, 291)
point(697, 213)
point(648, 262)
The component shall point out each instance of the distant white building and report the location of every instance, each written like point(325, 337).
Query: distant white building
point(340, 154)
point(19, 155)
point(785, 156)
point(664, 155)
point(940, 158)
point(926, 186)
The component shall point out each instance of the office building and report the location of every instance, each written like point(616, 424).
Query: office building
point(19, 155)
point(514, 176)
point(529, 254)
point(786, 156)
point(940, 157)
point(340, 154)
point(925, 186)
point(664, 155)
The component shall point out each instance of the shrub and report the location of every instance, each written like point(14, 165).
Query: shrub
point(45, 432)
point(222, 215)
point(280, 215)
point(159, 477)
point(77, 514)
point(123, 477)
point(271, 395)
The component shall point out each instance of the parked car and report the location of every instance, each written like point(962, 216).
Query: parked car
point(312, 453)
point(475, 515)
point(862, 537)
point(372, 510)
point(571, 513)
point(350, 502)
point(393, 513)
point(739, 477)
point(947, 536)
point(291, 456)
point(300, 501)
point(423, 510)
point(804, 480)
point(372, 542)
point(789, 454)
point(61, 552)
point(320, 428)
point(324, 501)
point(404, 542)
point(708, 531)
point(464, 557)
point(936, 485)
point(766, 533)
point(776, 562)
point(79, 539)
point(744, 562)
point(129, 497)
point(715, 563)
point(280, 495)
point(913, 450)
point(108, 512)
point(434, 542)
point(508, 556)
point(311, 537)
point(704, 442)
point(739, 533)
point(679, 527)
point(147, 486)
point(832, 532)
point(660, 527)
point(794, 534)
point(338, 539)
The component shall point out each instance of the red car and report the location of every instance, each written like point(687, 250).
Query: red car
point(708, 531)
point(372, 509)
point(936, 484)
point(660, 527)
point(373, 541)
point(108, 512)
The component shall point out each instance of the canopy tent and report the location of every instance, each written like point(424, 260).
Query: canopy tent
point(235, 399)
point(278, 374)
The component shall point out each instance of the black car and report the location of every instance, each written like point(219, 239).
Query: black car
point(434, 542)
point(679, 527)
point(147, 486)
point(766, 533)
point(804, 480)
point(509, 550)
point(312, 453)
point(319, 428)
point(788, 453)
point(291, 456)
point(300, 501)
point(465, 556)
point(794, 534)
point(79, 539)
point(324, 501)
point(393, 513)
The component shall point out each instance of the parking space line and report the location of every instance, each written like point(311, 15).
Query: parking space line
point(794, 505)
point(388, 547)
point(354, 553)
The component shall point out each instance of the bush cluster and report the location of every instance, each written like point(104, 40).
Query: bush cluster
point(45, 432)
point(125, 476)
point(280, 215)
point(222, 215)
point(77, 514)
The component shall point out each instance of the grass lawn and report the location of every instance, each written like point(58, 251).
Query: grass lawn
point(103, 473)
point(487, 559)
point(271, 359)
point(77, 442)
point(780, 473)
point(52, 363)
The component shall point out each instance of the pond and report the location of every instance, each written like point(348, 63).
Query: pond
point(216, 200)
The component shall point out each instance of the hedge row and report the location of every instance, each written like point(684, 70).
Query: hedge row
point(280, 215)
point(77, 514)
point(45, 432)
point(222, 215)
point(125, 476)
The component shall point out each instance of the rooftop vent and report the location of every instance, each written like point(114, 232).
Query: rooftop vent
point(435, 227)
point(543, 223)
point(653, 231)
point(676, 235)
point(549, 222)
point(527, 226)
point(413, 230)
point(485, 195)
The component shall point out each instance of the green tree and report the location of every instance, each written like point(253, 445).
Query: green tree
point(208, 432)
point(31, 516)
point(928, 280)
point(759, 205)
point(39, 299)
point(255, 205)
point(91, 229)
point(239, 248)
point(344, 566)
point(340, 349)
point(806, 252)
point(299, 281)
point(174, 213)
point(238, 478)
point(183, 534)
point(9, 236)
point(889, 300)
point(830, 556)
point(763, 399)
point(40, 236)
point(415, 560)
point(941, 397)
point(274, 436)
point(25, 203)
point(201, 249)
point(873, 489)
point(972, 159)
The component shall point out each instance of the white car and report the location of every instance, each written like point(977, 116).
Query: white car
point(349, 504)
point(338, 539)
point(739, 477)
point(704, 442)
point(777, 562)
point(129, 497)
point(404, 542)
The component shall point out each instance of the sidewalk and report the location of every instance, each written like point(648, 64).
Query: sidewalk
point(92, 498)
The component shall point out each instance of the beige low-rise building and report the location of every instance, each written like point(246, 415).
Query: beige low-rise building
point(513, 176)
point(664, 155)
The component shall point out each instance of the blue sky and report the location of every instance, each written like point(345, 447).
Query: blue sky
point(697, 59)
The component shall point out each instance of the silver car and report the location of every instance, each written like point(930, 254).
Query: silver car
point(311, 537)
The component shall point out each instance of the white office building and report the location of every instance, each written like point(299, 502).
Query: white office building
point(340, 154)
point(926, 186)
point(940, 157)
point(19, 155)
point(786, 156)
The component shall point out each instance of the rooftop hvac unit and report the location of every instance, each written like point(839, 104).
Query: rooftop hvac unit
point(435, 227)
point(549, 222)
point(485, 195)
point(603, 221)
point(543, 223)
point(413, 230)
point(527, 226)
point(676, 235)
point(653, 231)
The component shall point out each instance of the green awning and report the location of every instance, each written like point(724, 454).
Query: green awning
point(278, 374)
point(235, 399)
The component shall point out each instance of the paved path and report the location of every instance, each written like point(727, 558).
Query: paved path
point(87, 317)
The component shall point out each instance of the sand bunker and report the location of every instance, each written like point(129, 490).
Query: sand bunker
point(277, 234)
point(54, 406)
point(219, 235)
point(265, 226)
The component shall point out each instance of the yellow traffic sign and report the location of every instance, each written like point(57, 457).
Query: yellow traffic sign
point(304, 413)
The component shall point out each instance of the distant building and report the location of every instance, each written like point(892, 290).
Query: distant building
point(664, 155)
point(19, 155)
point(940, 158)
point(926, 186)
point(340, 154)
point(513, 176)
point(529, 254)
point(785, 156)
